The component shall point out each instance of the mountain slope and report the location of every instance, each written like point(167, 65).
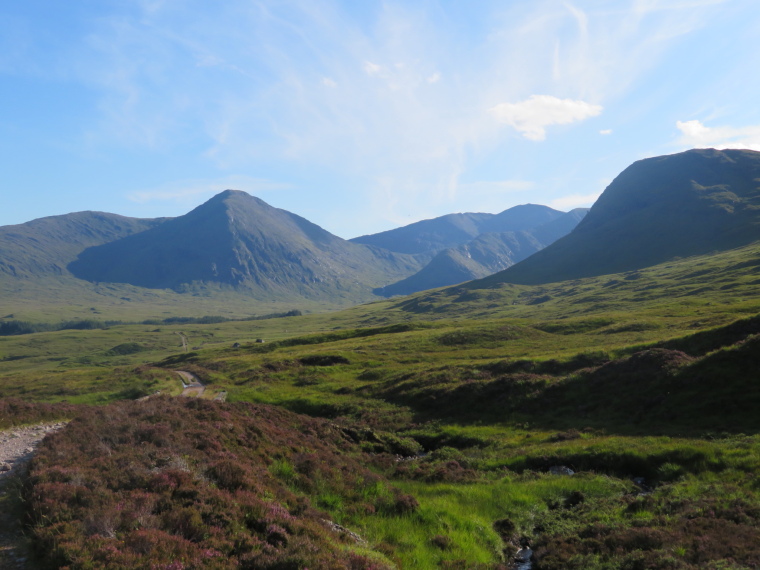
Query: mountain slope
point(44, 247)
point(431, 236)
point(239, 241)
point(483, 256)
point(551, 231)
point(657, 209)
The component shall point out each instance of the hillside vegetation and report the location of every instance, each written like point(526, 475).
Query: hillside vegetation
point(596, 402)
point(437, 430)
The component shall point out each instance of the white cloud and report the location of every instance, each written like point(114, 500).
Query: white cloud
point(254, 86)
point(372, 68)
point(496, 187)
point(605, 132)
point(574, 201)
point(188, 191)
point(531, 116)
point(693, 129)
point(696, 134)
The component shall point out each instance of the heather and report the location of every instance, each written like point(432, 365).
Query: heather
point(17, 412)
point(608, 422)
point(170, 483)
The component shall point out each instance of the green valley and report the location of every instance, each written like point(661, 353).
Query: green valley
point(469, 406)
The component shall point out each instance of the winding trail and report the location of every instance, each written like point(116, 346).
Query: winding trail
point(16, 448)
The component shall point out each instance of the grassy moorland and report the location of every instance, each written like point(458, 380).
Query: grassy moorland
point(54, 299)
point(427, 431)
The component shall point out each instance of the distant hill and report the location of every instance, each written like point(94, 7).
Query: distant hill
point(488, 253)
point(235, 248)
point(657, 209)
point(238, 241)
point(44, 247)
point(434, 235)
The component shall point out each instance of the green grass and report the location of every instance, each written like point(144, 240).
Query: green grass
point(648, 374)
point(465, 514)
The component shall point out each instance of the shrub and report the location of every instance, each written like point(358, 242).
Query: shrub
point(127, 486)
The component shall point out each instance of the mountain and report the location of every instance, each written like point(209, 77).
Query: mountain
point(238, 245)
point(559, 227)
point(238, 241)
point(44, 247)
point(434, 235)
point(657, 209)
point(485, 255)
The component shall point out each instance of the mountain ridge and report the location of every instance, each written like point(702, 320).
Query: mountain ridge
point(657, 209)
point(436, 234)
point(485, 255)
point(239, 241)
point(47, 245)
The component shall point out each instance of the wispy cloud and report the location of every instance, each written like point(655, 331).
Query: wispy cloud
point(696, 134)
point(497, 186)
point(435, 78)
point(372, 68)
point(400, 100)
point(575, 201)
point(189, 191)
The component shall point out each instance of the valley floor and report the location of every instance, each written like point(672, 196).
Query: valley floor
point(609, 423)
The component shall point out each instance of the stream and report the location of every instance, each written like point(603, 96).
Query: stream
point(523, 559)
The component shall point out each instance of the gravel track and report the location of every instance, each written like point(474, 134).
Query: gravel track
point(16, 448)
point(192, 386)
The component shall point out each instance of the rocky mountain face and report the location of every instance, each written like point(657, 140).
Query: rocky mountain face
point(657, 209)
point(488, 253)
point(238, 241)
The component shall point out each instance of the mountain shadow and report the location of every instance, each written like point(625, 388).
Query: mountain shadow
point(484, 255)
point(238, 241)
point(44, 247)
point(434, 235)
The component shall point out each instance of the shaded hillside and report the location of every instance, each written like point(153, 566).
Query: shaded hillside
point(431, 236)
point(484, 256)
point(657, 209)
point(551, 231)
point(44, 247)
point(239, 241)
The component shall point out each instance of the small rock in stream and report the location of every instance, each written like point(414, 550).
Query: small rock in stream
point(524, 554)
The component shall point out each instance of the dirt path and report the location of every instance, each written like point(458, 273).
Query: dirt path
point(16, 448)
point(193, 388)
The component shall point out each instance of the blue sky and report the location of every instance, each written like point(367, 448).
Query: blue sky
point(361, 115)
